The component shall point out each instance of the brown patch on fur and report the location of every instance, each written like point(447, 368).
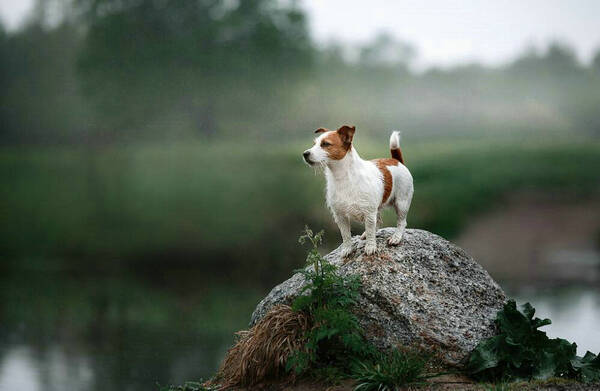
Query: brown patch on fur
point(382, 165)
point(397, 154)
point(335, 147)
point(337, 143)
point(346, 134)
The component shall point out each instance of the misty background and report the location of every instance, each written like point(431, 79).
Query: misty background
point(152, 182)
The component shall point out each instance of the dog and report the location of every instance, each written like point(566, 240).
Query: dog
point(358, 189)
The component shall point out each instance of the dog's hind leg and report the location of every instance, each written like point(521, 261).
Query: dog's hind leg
point(401, 207)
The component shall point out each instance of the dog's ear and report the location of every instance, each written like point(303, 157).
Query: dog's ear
point(346, 134)
point(321, 130)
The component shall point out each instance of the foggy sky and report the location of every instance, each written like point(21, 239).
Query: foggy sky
point(445, 32)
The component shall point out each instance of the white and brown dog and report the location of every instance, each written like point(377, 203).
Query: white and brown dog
point(358, 189)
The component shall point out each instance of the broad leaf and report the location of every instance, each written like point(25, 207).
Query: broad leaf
point(522, 352)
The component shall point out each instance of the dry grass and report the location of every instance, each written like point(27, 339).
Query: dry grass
point(261, 352)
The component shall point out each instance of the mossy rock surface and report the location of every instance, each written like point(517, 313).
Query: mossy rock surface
point(425, 293)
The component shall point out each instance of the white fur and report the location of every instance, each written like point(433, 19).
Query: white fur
point(355, 189)
point(395, 140)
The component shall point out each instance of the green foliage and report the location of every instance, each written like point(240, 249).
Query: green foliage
point(119, 206)
point(336, 347)
point(522, 352)
point(328, 297)
point(388, 371)
point(188, 49)
point(587, 368)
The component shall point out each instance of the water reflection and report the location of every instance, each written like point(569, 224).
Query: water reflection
point(22, 368)
point(574, 311)
point(18, 370)
point(122, 334)
point(112, 333)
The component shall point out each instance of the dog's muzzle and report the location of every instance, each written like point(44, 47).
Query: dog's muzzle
point(306, 154)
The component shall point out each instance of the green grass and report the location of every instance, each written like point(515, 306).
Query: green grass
point(389, 371)
point(243, 204)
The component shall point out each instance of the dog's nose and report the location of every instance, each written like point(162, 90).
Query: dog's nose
point(306, 154)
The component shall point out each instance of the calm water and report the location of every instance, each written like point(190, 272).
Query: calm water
point(121, 334)
point(574, 311)
point(113, 333)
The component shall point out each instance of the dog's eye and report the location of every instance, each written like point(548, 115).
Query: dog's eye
point(325, 144)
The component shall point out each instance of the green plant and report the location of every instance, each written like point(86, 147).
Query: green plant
point(522, 352)
point(335, 345)
point(328, 298)
point(388, 371)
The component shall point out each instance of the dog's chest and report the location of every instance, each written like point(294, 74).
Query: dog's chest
point(353, 196)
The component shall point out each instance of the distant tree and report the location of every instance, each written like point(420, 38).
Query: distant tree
point(39, 100)
point(559, 59)
point(387, 51)
point(596, 61)
point(192, 31)
point(141, 57)
point(4, 77)
point(528, 61)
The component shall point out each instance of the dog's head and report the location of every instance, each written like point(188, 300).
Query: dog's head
point(330, 145)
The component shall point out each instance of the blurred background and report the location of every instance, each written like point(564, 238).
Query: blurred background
point(153, 189)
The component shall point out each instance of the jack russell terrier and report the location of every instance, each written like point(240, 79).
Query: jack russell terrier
point(358, 189)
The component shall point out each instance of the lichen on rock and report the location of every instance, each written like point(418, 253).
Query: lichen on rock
point(425, 293)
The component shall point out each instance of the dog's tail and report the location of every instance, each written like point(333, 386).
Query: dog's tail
point(395, 146)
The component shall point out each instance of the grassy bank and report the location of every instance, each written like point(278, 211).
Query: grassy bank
point(225, 204)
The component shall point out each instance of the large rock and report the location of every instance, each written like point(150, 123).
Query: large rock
point(425, 293)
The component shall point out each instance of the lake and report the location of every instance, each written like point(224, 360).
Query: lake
point(115, 334)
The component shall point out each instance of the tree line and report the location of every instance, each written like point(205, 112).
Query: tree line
point(108, 71)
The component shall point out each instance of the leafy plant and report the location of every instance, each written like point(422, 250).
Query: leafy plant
point(388, 371)
point(522, 352)
point(587, 367)
point(328, 298)
point(335, 346)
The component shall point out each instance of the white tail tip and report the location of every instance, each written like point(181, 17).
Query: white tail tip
point(395, 140)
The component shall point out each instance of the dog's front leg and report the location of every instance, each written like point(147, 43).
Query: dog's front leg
point(377, 223)
point(370, 229)
point(343, 224)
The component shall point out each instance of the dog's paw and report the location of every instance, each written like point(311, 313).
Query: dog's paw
point(395, 239)
point(363, 236)
point(370, 248)
point(346, 250)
